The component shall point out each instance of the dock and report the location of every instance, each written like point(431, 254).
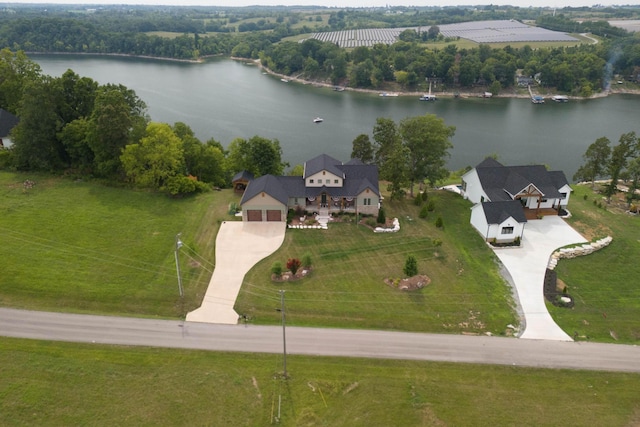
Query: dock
point(536, 99)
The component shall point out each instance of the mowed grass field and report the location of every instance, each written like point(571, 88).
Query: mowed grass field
point(605, 284)
point(346, 287)
point(83, 247)
point(49, 383)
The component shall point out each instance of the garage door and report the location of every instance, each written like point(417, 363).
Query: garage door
point(274, 215)
point(254, 215)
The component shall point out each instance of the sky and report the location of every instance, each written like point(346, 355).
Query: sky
point(338, 3)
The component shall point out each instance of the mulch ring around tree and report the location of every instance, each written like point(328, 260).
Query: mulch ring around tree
point(288, 276)
point(410, 283)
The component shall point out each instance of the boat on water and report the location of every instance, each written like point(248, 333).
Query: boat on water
point(284, 80)
point(537, 99)
point(560, 98)
point(318, 120)
point(388, 94)
point(487, 95)
point(428, 96)
point(338, 88)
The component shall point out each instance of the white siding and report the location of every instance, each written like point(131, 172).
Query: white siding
point(472, 188)
point(479, 221)
point(367, 202)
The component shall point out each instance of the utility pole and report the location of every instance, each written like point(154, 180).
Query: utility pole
point(178, 246)
point(284, 336)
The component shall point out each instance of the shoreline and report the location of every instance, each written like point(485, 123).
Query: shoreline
point(315, 83)
point(444, 94)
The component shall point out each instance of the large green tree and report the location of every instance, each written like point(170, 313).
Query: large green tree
point(155, 159)
point(36, 146)
point(391, 156)
point(627, 148)
point(596, 160)
point(258, 155)
point(362, 149)
point(428, 140)
point(117, 120)
point(16, 72)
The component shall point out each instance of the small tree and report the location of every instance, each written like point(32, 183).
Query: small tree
point(381, 216)
point(424, 212)
point(411, 266)
point(276, 269)
point(293, 264)
point(439, 222)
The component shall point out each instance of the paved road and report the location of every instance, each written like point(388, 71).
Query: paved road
point(312, 341)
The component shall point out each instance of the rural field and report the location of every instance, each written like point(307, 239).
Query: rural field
point(49, 383)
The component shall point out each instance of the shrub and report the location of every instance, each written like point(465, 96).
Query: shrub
point(424, 196)
point(306, 260)
point(381, 216)
point(276, 268)
point(293, 264)
point(371, 222)
point(233, 208)
point(418, 200)
point(436, 242)
point(431, 206)
point(439, 222)
point(411, 266)
point(423, 212)
point(585, 197)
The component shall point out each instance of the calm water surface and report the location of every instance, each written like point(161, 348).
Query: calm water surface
point(224, 99)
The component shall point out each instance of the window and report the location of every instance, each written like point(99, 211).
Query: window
point(310, 181)
point(507, 230)
point(319, 181)
point(563, 196)
point(335, 181)
point(367, 202)
point(295, 200)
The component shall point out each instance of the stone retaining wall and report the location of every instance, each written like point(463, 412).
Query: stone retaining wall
point(575, 251)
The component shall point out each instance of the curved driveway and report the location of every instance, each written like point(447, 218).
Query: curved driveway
point(319, 342)
point(239, 246)
point(527, 266)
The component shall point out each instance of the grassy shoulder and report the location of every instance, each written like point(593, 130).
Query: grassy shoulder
point(50, 383)
point(84, 247)
point(604, 284)
point(346, 286)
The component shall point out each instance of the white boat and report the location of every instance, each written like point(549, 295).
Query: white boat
point(428, 96)
point(388, 94)
point(487, 95)
point(318, 120)
point(560, 98)
point(284, 80)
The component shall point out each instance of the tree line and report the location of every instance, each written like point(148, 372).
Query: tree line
point(73, 125)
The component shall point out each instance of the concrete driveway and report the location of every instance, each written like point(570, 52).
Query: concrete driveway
point(527, 266)
point(239, 246)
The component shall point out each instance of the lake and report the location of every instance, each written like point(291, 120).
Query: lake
point(225, 99)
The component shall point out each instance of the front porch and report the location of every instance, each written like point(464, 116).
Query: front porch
point(539, 213)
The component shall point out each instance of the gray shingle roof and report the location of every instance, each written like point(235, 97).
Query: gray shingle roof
point(320, 163)
point(500, 182)
point(498, 212)
point(244, 175)
point(7, 122)
point(270, 185)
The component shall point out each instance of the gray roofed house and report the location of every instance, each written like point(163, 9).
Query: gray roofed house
point(7, 122)
point(516, 192)
point(327, 186)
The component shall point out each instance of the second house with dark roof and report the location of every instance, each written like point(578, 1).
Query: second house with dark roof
point(327, 186)
point(506, 197)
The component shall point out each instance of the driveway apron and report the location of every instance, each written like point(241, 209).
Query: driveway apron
point(239, 246)
point(527, 266)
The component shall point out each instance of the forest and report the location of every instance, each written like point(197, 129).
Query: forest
point(274, 35)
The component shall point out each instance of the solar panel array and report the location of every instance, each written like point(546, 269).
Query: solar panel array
point(356, 38)
point(502, 32)
point(478, 31)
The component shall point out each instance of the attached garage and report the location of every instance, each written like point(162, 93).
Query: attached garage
point(274, 215)
point(254, 215)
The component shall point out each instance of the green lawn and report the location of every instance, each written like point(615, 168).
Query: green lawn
point(604, 284)
point(49, 383)
point(83, 247)
point(346, 287)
